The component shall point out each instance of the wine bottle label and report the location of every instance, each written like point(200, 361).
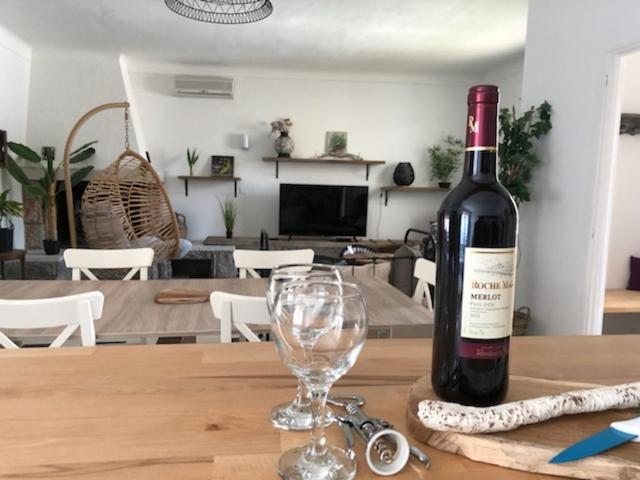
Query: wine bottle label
point(488, 293)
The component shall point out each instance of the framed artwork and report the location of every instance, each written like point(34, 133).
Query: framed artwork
point(221, 165)
point(3, 147)
point(335, 143)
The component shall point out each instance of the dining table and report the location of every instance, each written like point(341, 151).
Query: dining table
point(130, 311)
point(200, 411)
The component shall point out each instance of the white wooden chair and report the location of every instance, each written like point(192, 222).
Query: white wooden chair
point(83, 260)
point(73, 311)
point(248, 261)
point(237, 311)
point(425, 271)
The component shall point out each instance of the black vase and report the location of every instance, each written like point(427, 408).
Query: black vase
point(51, 247)
point(229, 233)
point(403, 174)
point(6, 239)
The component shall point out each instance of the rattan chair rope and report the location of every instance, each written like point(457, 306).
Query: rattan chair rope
point(125, 205)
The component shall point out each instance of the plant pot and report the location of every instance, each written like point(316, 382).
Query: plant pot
point(229, 233)
point(284, 145)
point(403, 175)
point(6, 239)
point(51, 247)
point(444, 184)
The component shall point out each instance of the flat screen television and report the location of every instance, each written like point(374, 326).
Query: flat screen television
point(323, 210)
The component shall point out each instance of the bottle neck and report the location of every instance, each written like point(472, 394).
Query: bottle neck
point(480, 166)
point(480, 155)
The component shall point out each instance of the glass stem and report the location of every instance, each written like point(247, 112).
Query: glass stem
point(318, 445)
point(303, 396)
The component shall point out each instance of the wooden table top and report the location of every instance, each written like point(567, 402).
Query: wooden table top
point(200, 411)
point(130, 312)
point(622, 301)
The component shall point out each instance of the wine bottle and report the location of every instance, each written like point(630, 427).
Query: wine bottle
point(476, 260)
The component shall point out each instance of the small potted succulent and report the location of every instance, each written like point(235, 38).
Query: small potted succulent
point(284, 144)
point(229, 212)
point(445, 160)
point(8, 209)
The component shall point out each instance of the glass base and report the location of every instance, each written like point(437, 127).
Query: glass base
point(334, 465)
point(291, 416)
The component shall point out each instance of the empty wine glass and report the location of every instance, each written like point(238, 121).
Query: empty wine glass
point(297, 415)
point(320, 328)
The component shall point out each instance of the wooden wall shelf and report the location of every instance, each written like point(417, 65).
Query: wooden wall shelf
point(396, 188)
point(210, 178)
point(324, 161)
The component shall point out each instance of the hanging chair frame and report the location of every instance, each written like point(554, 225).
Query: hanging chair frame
point(127, 153)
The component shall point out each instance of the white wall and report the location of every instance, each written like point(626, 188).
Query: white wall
point(15, 64)
point(568, 53)
point(508, 78)
point(66, 84)
point(393, 119)
point(624, 238)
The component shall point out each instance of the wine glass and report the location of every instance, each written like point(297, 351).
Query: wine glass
point(296, 415)
point(320, 328)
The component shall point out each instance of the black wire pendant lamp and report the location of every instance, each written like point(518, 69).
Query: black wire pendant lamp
point(222, 11)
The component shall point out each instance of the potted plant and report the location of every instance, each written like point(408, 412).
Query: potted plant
point(192, 159)
point(445, 160)
point(8, 208)
point(229, 212)
point(46, 188)
point(284, 144)
point(517, 158)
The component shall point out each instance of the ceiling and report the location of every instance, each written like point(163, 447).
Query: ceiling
point(395, 36)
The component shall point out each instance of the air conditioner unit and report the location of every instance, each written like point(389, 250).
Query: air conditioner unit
point(200, 86)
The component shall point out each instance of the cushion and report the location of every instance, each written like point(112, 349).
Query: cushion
point(634, 277)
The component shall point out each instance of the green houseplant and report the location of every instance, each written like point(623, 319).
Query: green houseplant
point(445, 160)
point(192, 159)
point(517, 158)
point(229, 212)
point(45, 188)
point(8, 209)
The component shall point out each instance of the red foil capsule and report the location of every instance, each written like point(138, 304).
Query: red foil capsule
point(482, 125)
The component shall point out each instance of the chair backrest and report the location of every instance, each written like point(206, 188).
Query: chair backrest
point(73, 311)
point(425, 272)
point(239, 310)
point(248, 261)
point(83, 260)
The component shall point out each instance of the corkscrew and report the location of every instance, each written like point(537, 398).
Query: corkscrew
point(386, 450)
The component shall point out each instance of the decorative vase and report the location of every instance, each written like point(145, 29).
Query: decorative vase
point(284, 145)
point(444, 184)
point(6, 239)
point(51, 247)
point(403, 175)
point(229, 233)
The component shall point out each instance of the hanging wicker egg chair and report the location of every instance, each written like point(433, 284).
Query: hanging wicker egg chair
point(126, 206)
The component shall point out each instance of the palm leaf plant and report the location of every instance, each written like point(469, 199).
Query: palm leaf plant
point(46, 188)
point(8, 209)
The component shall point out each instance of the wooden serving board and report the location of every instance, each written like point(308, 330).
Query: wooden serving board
point(529, 448)
point(174, 296)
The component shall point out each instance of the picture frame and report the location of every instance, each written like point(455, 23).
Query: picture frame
point(335, 143)
point(222, 165)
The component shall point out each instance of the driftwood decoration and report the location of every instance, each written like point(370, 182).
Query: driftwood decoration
point(452, 417)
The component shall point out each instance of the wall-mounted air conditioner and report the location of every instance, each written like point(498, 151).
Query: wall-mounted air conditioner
point(201, 86)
